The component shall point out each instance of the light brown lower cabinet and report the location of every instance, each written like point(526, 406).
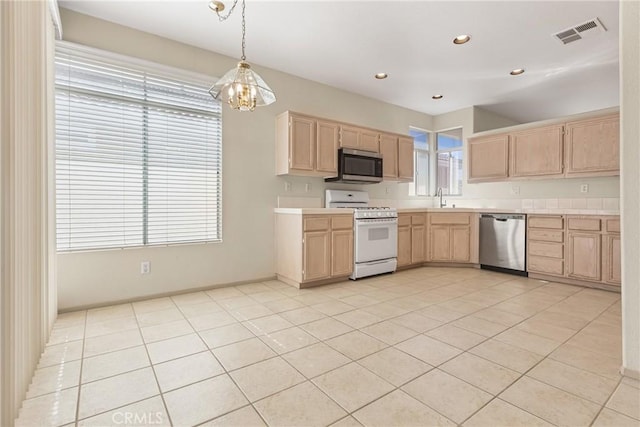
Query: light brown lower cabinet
point(611, 259)
point(404, 245)
point(313, 248)
point(341, 252)
point(582, 249)
point(317, 255)
point(411, 239)
point(583, 255)
point(453, 237)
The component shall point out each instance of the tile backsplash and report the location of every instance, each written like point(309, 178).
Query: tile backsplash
point(608, 204)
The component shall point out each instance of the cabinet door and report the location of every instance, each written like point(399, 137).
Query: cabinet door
point(302, 141)
point(418, 244)
point(536, 152)
point(460, 243)
point(404, 246)
point(341, 252)
point(405, 159)
point(593, 146)
point(611, 259)
point(389, 151)
point(369, 140)
point(489, 158)
point(327, 140)
point(439, 243)
point(349, 137)
point(583, 256)
point(317, 255)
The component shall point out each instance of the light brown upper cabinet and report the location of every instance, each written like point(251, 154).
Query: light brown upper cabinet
point(489, 158)
point(296, 145)
point(359, 138)
point(327, 141)
point(300, 134)
point(389, 151)
point(577, 148)
point(405, 158)
point(592, 147)
point(536, 152)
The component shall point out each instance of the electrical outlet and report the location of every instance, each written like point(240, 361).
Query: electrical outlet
point(387, 190)
point(287, 186)
point(145, 267)
point(307, 187)
point(584, 188)
point(515, 190)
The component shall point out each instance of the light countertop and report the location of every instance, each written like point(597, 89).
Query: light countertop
point(337, 211)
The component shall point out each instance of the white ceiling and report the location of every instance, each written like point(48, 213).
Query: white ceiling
point(343, 44)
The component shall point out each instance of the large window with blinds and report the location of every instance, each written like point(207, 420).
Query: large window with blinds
point(138, 153)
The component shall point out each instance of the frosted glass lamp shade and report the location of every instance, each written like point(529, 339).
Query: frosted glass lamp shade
point(243, 89)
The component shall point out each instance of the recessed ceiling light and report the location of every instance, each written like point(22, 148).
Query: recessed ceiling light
point(517, 71)
point(461, 39)
point(381, 76)
point(437, 96)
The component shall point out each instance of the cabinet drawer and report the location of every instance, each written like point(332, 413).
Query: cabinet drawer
point(551, 250)
point(452, 218)
point(418, 219)
point(404, 220)
point(546, 235)
point(612, 225)
point(317, 223)
point(341, 222)
point(554, 222)
point(589, 224)
point(545, 265)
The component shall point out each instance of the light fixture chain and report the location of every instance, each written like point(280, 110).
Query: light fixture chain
point(243, 31)
point(224, 17)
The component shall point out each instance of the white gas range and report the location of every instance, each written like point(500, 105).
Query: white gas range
point(375, 232)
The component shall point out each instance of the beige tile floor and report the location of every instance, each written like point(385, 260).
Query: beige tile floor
point(429, 346)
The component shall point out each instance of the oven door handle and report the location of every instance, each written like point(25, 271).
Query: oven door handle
point(376, 223)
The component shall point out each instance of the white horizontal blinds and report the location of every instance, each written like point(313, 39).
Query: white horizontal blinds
point(138, 155)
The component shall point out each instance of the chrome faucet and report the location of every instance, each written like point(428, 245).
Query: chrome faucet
point(439, 194)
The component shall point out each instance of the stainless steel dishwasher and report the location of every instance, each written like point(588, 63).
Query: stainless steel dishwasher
point(502, 242)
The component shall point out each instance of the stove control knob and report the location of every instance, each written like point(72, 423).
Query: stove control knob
point(379, 213)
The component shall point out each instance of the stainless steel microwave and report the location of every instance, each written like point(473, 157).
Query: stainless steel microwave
point(358, 167)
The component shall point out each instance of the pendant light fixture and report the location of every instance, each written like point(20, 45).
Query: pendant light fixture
point(240, 87)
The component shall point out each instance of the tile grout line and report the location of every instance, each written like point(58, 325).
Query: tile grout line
point(604, 405)
point(535, 365)
point(155, 376)
point(77, 414)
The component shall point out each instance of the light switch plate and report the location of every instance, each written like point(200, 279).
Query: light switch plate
point(584, 188)
point(287, 186)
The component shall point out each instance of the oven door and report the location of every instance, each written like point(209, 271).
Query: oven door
point(376, 239)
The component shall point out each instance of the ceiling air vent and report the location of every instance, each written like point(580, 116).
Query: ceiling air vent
point(581, 31)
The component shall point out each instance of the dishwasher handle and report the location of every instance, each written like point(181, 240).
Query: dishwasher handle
point(502, 217)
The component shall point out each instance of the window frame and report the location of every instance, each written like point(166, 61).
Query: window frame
point(429, 152)
point(448, 150)
point(176, 75)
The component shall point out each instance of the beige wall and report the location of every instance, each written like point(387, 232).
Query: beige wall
point(487, 120)
point(27, 295)
point(630, 154)
point(250, 187)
